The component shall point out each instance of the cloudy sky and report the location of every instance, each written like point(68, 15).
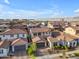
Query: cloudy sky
point(38, 8)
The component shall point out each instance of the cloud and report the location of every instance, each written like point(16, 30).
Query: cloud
point(76, 11)
point(7, 1)
point(8, 12)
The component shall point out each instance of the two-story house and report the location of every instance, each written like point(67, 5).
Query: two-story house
point(62, 40)
point(13, 34)
point(41, 31)
point(4, 48)
point(13, 47)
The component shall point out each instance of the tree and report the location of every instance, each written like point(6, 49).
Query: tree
point(31, 50)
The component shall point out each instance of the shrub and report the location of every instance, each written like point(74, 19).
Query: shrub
point(76, 54)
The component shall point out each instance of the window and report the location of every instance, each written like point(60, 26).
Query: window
point(1, 51)
point(0, 39)
point(12, 35)
point(39, 33)
point(17, 35)
point(5, 27)
point(43, 32)
point(3, 35)
point(46, 32)
point(55, 43)
point(22, 35)
point(35, 34)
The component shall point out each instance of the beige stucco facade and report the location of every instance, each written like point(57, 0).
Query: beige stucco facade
point(70, 30)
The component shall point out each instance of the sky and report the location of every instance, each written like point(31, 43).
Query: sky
point(38, 8)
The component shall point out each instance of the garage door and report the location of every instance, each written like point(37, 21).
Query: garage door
point(20, 48)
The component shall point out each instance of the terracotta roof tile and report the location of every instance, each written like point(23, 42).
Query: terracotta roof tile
point(37, 39)
point(4, 44)
point(63, 36)
point(14, 31)
point(44, 29)
point(19, 41)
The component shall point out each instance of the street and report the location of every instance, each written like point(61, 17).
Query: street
point(56, 55)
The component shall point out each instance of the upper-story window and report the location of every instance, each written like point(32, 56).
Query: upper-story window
point(43, 33)
point(1, 51)
point(39, 33)
point(22, 35)
point(17, 35)
point(3, 35)
point(35, 34)
point(12, 35)
point(46, 32)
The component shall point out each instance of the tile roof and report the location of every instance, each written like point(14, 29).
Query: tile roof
point(4, 43)
point(19, 41)
point(14, 31)
point(43, 29)
point(37, 39)
point(74, 27)
point(63, 36)
point(67, 37)
point(20, 26)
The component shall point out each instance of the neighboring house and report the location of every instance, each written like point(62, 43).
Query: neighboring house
point(50, 25)
point(77, 40)
point(58, 25)
point(41, 31)
point(19, 45)
point(40, 42)
point(33, 26)
point(19, 26)
point(13, 47)
point(77, 30)
point(62, 40)
point(4, 48)
point(13, 34)
point(70, 30)
point(52, 42)
point(70, 40)
point(3, 27)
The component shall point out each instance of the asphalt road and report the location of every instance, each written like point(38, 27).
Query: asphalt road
point(52, 56)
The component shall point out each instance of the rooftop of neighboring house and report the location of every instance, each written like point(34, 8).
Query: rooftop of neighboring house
point(4, 25)
point(7, 43)
point(74, 27)
point(19, 26)
point(4, 43)
point(40, 29)
point(62, 36)
point(67, 37)
point(19, 41)
point(58, 22)
point(33, 25)
point(14, 31)
point(38, 39)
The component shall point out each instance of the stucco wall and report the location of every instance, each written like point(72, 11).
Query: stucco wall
point(8, 37)
point(5, 52)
